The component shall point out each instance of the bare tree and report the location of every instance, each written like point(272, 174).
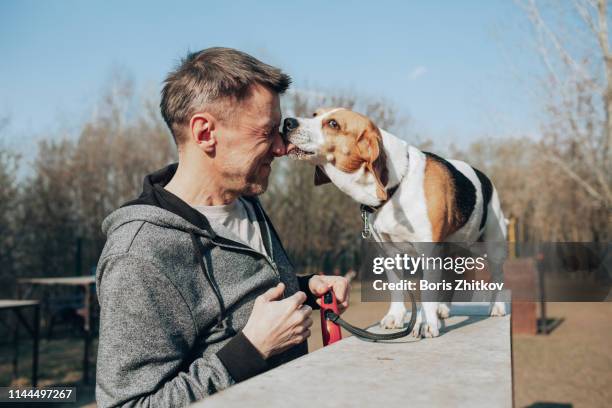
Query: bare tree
point(575, 51)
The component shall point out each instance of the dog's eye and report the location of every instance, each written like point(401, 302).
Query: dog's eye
point(314, 114)
point(333, 124)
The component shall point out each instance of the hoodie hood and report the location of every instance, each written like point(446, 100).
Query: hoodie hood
point(159, 206)
point(154, 194)
point(151, 214)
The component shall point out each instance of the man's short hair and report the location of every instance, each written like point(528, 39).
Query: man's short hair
point(213, 80)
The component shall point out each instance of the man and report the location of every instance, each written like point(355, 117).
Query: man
point(196, 291)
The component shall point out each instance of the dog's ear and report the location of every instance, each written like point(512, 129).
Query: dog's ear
point(370, 147)
point(320, 177)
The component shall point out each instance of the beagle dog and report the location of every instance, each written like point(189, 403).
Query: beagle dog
point(413, 196)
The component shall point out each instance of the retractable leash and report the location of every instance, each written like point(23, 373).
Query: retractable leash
point(331, 323)
point(331, 331)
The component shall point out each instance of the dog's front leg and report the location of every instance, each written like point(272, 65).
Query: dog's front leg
point(430, 324)
point(394, 319)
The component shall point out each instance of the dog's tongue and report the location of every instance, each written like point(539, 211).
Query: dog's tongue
point(290, 147)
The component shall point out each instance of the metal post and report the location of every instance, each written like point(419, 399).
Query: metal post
point(543, 319)
point(16, 339)
point(87, 332)
point(16, 347)
point(35, 335)
point(78, 256)
point(512, 237)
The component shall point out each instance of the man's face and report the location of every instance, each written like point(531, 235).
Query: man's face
point(248, 142)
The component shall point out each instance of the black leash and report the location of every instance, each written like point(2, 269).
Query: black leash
point(366, 335)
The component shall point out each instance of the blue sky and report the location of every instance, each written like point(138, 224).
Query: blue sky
point(458, 69)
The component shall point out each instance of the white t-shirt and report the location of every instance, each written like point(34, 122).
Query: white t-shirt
point(239, 217)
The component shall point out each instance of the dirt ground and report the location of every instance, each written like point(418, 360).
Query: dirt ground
point(571, 367)
point(573, 364)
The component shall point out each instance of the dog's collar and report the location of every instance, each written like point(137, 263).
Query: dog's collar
point(372, 209)
point(369, 209)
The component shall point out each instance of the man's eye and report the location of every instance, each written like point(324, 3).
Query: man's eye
point(333, 124)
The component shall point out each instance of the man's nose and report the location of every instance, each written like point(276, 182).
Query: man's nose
point(278, 145)
point(290, 124)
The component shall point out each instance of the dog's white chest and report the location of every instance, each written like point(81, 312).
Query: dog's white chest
point(404, 217)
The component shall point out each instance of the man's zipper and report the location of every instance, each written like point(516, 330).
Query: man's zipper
point(268, 232)
point(248, 249)
point(269, 258)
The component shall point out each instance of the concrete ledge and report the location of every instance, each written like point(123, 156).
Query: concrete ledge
point(468, 365)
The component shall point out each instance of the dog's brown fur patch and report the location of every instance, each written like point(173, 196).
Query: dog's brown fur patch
point(440, 196)
point(355, 141)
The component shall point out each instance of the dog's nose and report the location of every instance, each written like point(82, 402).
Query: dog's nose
point(289, 124)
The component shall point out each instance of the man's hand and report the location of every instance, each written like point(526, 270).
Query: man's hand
point(276, 325)
point(321, 284)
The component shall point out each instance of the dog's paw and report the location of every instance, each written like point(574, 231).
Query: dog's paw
point(393, 321)
point(498, 309)
point(428, 330)
point(443, 311)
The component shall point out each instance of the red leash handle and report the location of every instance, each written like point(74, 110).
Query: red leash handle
point(330, 330)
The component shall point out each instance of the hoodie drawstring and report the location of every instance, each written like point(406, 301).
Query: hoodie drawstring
point(209, 277)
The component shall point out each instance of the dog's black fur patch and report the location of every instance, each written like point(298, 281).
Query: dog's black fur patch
point(487, 192)
point(465, 192)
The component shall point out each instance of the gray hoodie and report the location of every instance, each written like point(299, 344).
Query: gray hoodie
point(174, 296)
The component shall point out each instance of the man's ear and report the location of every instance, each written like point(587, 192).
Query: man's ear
point(320, 177)
point(201, 126)
point(370, 147)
